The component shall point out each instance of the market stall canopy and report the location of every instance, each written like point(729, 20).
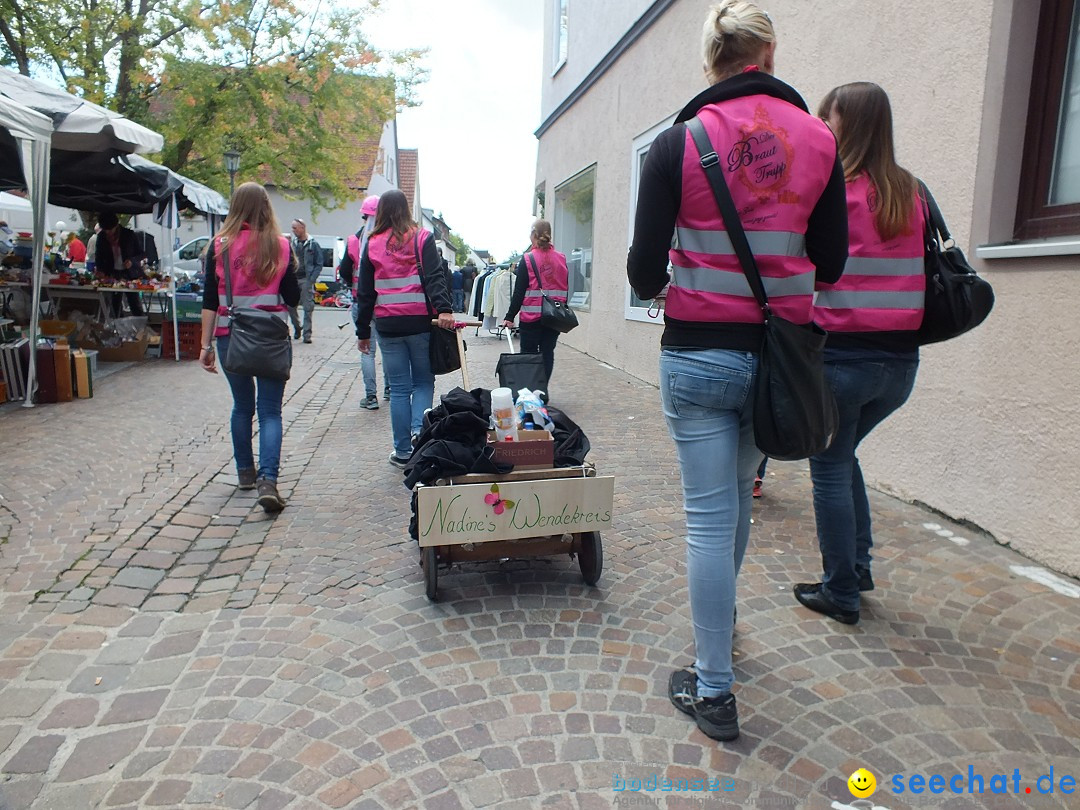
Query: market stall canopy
point(191, 194)
point(78, 124)
point(10, 202)
point(105, 181)
point(18, 123)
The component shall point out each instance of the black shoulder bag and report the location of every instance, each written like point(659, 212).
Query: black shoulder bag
point(794, 409)
point(554, 314)
point(957, 299)
point(443, 347)
point(259, 344)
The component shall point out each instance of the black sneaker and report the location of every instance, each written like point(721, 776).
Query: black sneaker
point(386, 393)
point(866, 582)
point(398, 461)
point(811, 596)
point(716, 717)
point(370, 402)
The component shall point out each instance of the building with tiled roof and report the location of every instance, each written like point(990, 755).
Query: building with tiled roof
point(409, 180)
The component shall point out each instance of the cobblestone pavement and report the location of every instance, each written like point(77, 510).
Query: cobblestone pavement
point(165, 644)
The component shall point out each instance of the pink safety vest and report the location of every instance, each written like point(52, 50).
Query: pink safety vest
point(246, 290)
point(884, 283)
point(397, 281)
point(553, 275)
point(777, 160)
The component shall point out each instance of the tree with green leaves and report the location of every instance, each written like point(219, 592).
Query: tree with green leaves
point(461, 249)
point(294, 89)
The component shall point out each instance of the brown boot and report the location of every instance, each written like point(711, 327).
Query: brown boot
point(246, 478)
point(269, 499)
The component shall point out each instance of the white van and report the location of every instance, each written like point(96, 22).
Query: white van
point(189, 258)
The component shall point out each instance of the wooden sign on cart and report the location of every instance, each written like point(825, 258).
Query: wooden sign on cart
point(513, 509)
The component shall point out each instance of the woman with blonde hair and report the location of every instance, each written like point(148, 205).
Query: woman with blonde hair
point(781, 166)
point(872, 316)
point(402, 284)
point(542, 270)
point(260, 262)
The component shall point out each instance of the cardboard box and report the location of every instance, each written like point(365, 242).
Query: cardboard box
point(534, 450)
point(125, 352)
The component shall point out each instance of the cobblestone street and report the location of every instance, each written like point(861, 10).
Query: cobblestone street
point(164, 643)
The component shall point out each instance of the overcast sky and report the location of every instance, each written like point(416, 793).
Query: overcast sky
point(478, 111)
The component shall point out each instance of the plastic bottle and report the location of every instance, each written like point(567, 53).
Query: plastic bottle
point(504, 415)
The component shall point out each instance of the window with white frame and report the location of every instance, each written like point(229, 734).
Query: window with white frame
point(637, 309)
point(573, 232)
point(558, 40)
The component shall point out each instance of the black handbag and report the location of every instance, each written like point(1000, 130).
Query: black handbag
point(517, 371)
point(554, 314)
point(259, 344)
point(957, 299)
point(443, 347)
point(795, 412)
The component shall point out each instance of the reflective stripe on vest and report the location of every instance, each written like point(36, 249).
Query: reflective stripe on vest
point(762, 243)
point(883, 288)
point(726, 282)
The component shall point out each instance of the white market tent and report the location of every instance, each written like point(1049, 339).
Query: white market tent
point(39, 117)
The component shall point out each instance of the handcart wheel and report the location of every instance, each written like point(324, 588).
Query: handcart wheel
point(590, 556)
point(431, 572)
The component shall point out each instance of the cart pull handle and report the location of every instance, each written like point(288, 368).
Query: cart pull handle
point(458, 324)
point(510, 340)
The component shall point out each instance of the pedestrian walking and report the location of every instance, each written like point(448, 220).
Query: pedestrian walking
point(788, 187)
point(457, 289)
point(309, 257)
point(348, 272)
point(260, 270)
point(872, 316)
point(542, 270)
point(402, 285)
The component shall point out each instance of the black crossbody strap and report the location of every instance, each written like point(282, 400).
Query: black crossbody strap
point(937, 220)
point(536, 272)
point(420, 271)
point(710, 162)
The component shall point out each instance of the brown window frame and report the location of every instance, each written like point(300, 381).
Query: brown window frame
point(1035, 217)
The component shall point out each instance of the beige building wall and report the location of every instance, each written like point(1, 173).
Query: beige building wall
point(991, 434)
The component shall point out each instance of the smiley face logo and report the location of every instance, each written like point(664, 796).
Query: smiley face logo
point(862, 783)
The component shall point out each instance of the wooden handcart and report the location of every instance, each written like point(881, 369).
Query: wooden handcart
point(525, 513)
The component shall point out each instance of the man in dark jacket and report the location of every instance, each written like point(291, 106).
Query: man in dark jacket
point(310, 258)
point(119, 256)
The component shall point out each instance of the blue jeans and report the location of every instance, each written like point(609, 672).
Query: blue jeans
point(866, 392)
point(708, 403)
point(458, 300)
point(253, 395)
point(367, 361)
point(412, 385)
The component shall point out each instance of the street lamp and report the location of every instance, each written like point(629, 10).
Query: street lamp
point(232, 166)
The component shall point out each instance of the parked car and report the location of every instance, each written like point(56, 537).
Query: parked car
point(189, 258)
point(333, 248)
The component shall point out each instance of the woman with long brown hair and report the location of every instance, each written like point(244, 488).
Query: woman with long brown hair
point(259, 269)
point(872, 315)
point(402, 284)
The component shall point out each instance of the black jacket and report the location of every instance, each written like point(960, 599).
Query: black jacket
point(654, 224)
point(130, 249)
